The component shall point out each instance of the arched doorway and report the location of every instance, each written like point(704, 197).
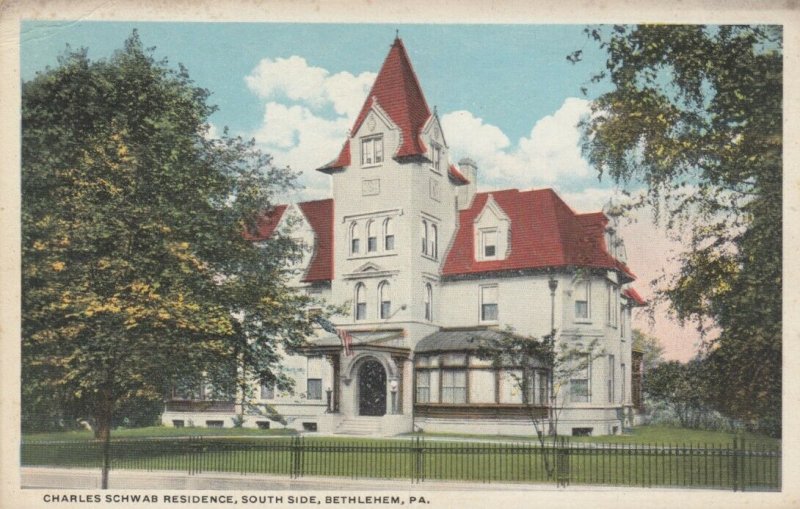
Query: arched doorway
point(371, 388)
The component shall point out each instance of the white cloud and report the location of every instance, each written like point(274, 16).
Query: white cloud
point(307, 112)
point(294, 79)
point(550, 153)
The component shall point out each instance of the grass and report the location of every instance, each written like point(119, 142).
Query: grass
point(402, 459)
point(640, 435)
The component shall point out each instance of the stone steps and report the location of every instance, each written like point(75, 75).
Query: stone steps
point(361, 426)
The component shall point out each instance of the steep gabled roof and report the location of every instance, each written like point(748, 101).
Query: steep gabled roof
point(266, 223)
point(397, 91)
point(319, 214)
point(545, 233)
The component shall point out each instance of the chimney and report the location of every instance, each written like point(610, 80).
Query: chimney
point(466, 192)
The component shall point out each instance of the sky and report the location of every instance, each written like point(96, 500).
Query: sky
point(506, 95)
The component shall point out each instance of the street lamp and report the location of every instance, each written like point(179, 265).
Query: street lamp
point(553, 285)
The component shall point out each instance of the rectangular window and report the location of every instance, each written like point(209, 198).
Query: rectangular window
point(541, 398)
point(267, 391)
point(372, 244)
point(611, 378)
point(215, 424)
point(489, 311)
point(489, 242)
point(361, 311)
point(454, 386)
point(372, 150)
point(423, 386)
point(314, 388)
point(437, 157)
point(612, 305)
point(579, 391)
point(622, 371)
point(386, 309)
point(582, 301)
point(355, 246)
point(389, 243)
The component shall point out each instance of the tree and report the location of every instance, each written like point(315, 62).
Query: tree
point(683, 388)
point(695, 115)
point(525, 360)
point(651, 349)
point(137, 269)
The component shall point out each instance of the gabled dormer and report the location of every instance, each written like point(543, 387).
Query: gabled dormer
point(492, 232)
point(377, 138)
point(395, 97)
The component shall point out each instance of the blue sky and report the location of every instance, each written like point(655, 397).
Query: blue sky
point(507, 77)
point(506, 94)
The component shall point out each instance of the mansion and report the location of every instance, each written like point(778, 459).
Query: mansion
point(428, 268)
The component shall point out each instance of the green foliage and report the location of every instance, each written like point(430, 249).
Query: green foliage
point(650, 347)
point(695, 115)
point(683, 388)
point(136, 271)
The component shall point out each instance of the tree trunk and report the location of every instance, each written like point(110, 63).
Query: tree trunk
point(103, 433)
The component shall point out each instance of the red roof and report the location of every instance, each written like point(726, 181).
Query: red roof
point(396, 90)
point(456, 175)
point(634, 296)
point(267, 223)
point(545, 233)
point(320, 215)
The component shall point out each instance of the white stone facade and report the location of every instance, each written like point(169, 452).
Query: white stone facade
point(395, 222)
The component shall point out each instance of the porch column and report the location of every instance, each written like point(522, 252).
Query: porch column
point(333, 359)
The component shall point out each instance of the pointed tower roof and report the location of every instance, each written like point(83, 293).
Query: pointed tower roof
point(396, 90)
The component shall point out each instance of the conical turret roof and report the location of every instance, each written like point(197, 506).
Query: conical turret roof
point(398, 93)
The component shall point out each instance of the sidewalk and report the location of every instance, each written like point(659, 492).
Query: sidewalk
point(80, 478)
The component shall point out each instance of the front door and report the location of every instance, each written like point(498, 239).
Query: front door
point(371, 388)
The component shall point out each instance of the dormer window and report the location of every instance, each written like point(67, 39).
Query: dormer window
point(436, 156)
point(489, 244)
point(372, 150)
point(492, 233)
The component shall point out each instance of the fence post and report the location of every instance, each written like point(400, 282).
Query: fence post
point(295, 451)
point(562, 462)
point(734, 465)
point(418, 469)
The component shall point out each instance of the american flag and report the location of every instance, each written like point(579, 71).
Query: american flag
point(347, 339)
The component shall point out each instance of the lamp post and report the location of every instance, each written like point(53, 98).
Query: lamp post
point(553, 285)
point(393, 387)
point(328, 392)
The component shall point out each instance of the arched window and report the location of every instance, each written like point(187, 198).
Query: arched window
point(385, 300)
point(424, 237)
point(361, 302)
point(388, 234)
point(434, 252)
point(428, 302)
point(372, 238)
point(355, 238)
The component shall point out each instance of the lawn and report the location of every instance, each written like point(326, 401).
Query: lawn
point(586, 461)
point(641, 435)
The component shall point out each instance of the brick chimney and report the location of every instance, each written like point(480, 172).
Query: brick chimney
point(466, 192)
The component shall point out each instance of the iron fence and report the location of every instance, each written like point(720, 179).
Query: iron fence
point(740, 465)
